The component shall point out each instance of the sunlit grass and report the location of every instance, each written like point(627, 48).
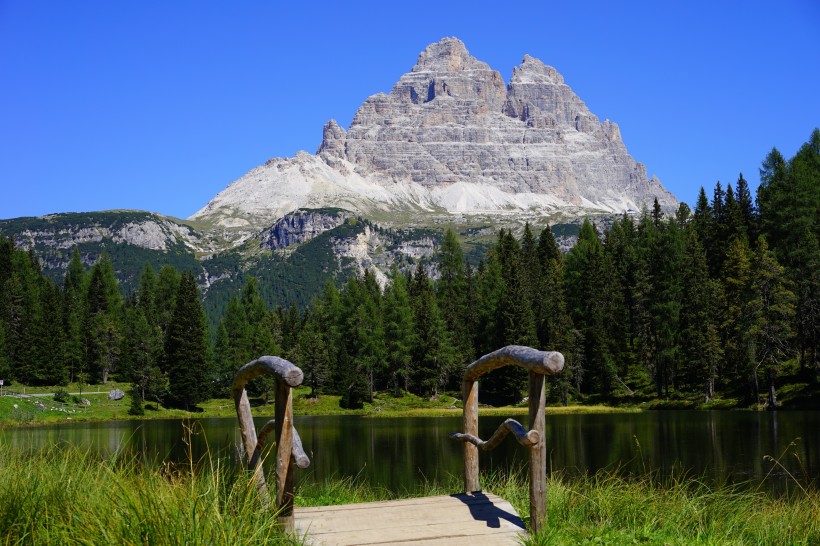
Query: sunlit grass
point(61, 495)
point(606, 508)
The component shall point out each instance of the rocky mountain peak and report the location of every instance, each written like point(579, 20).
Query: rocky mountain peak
point(447, 55)
point(446, 70)
point(532, 69)
point(452, 138)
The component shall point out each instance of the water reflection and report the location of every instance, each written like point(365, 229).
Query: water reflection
point(399, 454)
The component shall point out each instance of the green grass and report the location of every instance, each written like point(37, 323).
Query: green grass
point(60, 495)
point(45, 410)
point(609, 509)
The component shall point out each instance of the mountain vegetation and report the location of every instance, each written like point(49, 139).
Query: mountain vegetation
point(717, 303)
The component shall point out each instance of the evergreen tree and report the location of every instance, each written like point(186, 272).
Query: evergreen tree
point(746, 207)
point(167, 287)
point(291, 322)
point(620, 252)
point(312, 355)
point(773, 325)
point(258, 334)
point(51, 336)
point(451, 293)
point(701, 348)
point(186, 348)
point(735, 224)
point(513, 321)
point(739, 318)
point(588, 300)
point(789, 204)
point(548, 257)
point(103, 321)
point(74, 311)
point(357, 312)
point(147, 293)
point(141, 355)
point(399, 331)
point(666, 265)
point(328, 313)
point(432, 349)
point(22, 314)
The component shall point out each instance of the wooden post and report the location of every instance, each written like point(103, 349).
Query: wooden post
point(469, 393)
point(538, 453)
point(284, 448)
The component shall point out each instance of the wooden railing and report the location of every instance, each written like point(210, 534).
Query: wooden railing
point(539, 364)
point(288, 443)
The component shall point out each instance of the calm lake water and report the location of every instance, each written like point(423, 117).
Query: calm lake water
point(721, 447)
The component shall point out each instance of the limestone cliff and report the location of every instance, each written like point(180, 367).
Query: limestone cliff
point(452, 139)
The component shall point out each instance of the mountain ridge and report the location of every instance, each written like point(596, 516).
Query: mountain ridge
point(452, 139)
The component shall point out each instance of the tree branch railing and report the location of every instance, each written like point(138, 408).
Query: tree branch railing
point(538, 364)
point(288, 444)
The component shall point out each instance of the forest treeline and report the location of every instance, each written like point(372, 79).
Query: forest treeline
point(722, 300)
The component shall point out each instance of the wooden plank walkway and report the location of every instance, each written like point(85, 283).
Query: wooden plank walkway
point(475, 519)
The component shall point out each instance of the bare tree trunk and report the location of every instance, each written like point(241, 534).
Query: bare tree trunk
point(772, 402)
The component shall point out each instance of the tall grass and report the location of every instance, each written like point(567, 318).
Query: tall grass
point(607, 508)
point(63, 496)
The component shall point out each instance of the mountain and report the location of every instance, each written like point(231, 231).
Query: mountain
point(293, 258)
point(452, 142)
point(450, 145)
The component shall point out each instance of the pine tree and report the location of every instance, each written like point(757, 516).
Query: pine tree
point(701, 348)
point(735, 222)
point(186, 348)
point(141, 355)
point(666, 265)
point(103, 321)
point(52, 342)
point(451, 293)
point(22, 314)
point(147, 293)
point(328, 312)
point(432, 349)
point(588, 299)
point(773, 325)
point(356, 355)
point(399, 331)
point(167, 287)
point(746, 206)
point(312, 355)
point(739, 318)
point(74, 311)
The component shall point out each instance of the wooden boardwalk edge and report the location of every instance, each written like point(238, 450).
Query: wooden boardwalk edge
point(477, 518)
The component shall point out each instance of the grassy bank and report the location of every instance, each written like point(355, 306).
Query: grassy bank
point(32, 411)
point(62, 496)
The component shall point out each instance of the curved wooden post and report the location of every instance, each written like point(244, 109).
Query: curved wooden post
point(288, 443)
point(284, 447)
point(538, 453)
point(539, 364)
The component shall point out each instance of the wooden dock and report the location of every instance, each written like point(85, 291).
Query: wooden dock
point(477, 518)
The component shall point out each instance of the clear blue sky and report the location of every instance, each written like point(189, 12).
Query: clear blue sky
point(159, 105)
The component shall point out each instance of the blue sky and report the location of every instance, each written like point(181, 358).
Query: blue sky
point(160, 105)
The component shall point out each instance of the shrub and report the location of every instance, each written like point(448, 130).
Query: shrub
point(61, 395)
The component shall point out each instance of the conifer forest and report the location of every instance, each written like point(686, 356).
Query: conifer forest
point(716, 301)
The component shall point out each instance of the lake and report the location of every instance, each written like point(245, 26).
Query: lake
point(399, 453)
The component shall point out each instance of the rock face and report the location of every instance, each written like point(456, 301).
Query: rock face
point(451, 138)
point(141, 229)
point(300, 226)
